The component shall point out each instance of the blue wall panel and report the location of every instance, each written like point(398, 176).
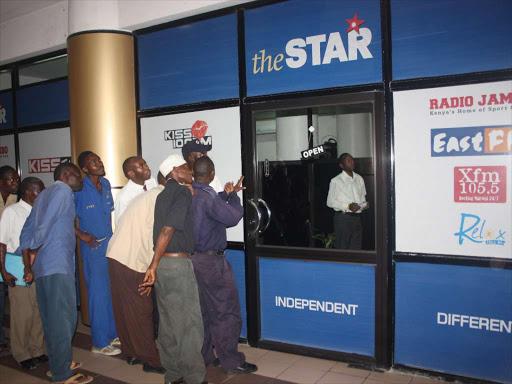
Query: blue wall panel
point(41, 104)
point(237, 261)
point(271, 28)
point(318, 304)
point(454, 319)
point(189, 64)
point(6, 111)
point(446, 37)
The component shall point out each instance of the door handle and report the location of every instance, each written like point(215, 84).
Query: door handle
point(269, 214)
point(258, 215)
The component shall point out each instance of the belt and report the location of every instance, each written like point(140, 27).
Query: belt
point(217, 253)
point(348, 213)
point(184, 255)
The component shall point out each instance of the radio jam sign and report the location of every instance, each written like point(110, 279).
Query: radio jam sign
point(46, 165)
point(323, 49)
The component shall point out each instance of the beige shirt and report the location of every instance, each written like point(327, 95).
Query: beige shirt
point(10, 200)
point(132, 242)
point(11, 223)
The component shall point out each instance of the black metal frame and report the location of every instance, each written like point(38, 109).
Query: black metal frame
point(16, 130)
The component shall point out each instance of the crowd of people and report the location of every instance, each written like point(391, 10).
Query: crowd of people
point(159, 288)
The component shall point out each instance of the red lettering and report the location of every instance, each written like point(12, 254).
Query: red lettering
point(493, 100)
point(506, 98)
point(444, 103)
point(433, 104)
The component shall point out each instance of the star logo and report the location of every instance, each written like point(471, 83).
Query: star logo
point(354, 24)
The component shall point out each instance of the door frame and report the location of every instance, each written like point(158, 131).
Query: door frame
point(380, 257)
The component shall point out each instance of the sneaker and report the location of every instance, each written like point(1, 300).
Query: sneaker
point(150, 369)
point(244, 368)
point(28, 364)
point(116, 342)
point(109, 350)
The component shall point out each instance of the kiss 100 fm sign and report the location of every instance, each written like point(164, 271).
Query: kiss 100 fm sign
point(320, 305)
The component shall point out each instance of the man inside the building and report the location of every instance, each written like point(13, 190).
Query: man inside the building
point(193, 150)
point(139, 180)
point(94, 205)
point(27, 338)
point(347, 196)
point(220, 306)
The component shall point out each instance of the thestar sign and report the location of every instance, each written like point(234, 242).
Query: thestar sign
point(299, 50)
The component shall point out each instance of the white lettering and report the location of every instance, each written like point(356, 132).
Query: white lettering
point(293, 49)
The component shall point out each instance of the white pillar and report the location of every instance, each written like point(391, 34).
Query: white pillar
point(355, 134)
point(90, 15)
point(292, 136)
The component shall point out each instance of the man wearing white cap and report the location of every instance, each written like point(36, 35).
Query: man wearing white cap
point(180, 335)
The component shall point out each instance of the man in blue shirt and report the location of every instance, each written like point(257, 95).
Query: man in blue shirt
point(218, 293)
point(47, 242)
point(94, 204)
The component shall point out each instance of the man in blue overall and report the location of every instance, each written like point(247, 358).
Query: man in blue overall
point(94, 205)
point(212, 213)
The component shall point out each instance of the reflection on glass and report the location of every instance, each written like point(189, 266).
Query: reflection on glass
point(5, 80)
point(296, 190)
point(43, 70)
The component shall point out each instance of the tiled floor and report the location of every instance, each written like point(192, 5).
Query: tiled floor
point(274, 367)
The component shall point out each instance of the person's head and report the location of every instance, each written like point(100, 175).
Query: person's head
point(346, 162)
point(91, 164)
point(31, 187)
point(193, 150)
point(69, 174)
point(204, 170)
point(175, 167)
point(9, 180)
point(161, 179)
point(136, 170)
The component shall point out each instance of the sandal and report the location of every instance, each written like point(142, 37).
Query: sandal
point(74, 365)
point(79, 378)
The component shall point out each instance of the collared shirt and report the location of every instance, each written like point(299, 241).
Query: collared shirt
point(11, 224)
point(171, 210)
point(345, 190)
point(94, 209)
point(50, 226)
point(132, 242)
point(127, 193)
point(216, 184)
point(212, 213)
point(11, 199)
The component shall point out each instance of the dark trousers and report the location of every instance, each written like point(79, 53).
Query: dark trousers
point(2, 304)
point(133, 314)
point(348, 231)
point(56, 298)
point(180, 335)
point(220, 307)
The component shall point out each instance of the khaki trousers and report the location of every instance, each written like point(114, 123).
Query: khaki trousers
point(27, 337)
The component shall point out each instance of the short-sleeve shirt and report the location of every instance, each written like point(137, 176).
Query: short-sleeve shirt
point(94, 209)
point(11, 199)
point(11, 224)
point(171, 210)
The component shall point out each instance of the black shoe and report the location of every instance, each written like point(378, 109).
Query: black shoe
point(133, 361)
point(151, 369)
point(41, 359)
point(215, 363)
point(28, 364)
point(244, 368)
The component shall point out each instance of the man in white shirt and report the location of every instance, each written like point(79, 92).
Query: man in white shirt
point(139, 180)
point(347, 196)
point(27, 338)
